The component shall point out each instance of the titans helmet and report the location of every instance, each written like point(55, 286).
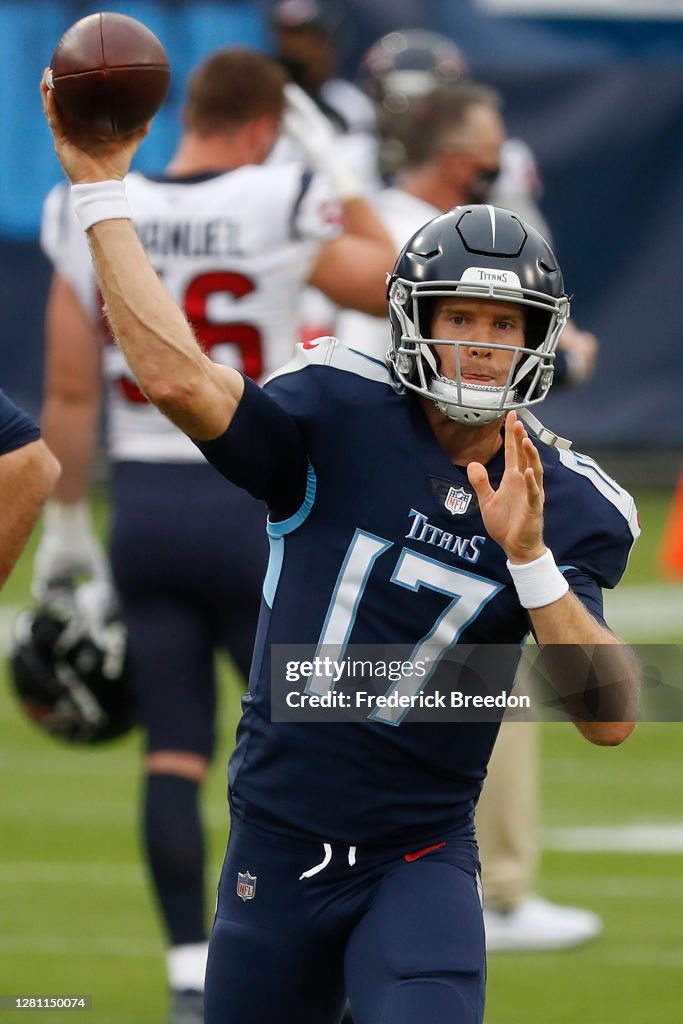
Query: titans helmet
point(479, 252)
point(408, 63)
point(68, 666)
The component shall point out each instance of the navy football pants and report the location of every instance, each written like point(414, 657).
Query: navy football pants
point(405, 938)
point(188, 552)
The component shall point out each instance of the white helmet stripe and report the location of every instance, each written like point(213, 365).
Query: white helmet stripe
point(492, 215)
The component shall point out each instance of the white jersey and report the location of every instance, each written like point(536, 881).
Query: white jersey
point(402, 215)
point(234, 249)
point(351, 103)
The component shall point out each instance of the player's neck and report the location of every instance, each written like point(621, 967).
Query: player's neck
point(204, 154)
point(461, 443)
point(425, 184)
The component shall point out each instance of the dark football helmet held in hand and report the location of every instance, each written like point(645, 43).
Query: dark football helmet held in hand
point(68, 666)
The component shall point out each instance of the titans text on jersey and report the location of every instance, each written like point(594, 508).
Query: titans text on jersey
point(468, 548)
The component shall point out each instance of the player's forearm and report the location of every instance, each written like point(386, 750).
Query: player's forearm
point(595, 674)
point(352, 272)
point(70, 429)
point(362, 220)
point(27, 476)
point(156, 339)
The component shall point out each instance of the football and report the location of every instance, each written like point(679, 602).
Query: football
point(109, 74)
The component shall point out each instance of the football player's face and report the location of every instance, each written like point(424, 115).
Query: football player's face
point(480, 323)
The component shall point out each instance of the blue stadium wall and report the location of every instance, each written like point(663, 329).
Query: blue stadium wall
point(600, 101)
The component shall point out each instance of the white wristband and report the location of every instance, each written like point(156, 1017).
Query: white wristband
point(538, 583)
point(99, 200)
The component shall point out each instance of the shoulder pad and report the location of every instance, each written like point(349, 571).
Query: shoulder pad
point(333, 353)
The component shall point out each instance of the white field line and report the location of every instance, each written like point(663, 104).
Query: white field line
point(644, 612)
point(90, 945)
point(561, 771)
point(637, 838)
point(95, 874)
point(100, 874)
point(569, 771)
point(663, 959)
point(91, 873)
point(55, 759)
point(634, 887)
point(110, 815)
point(660, 957)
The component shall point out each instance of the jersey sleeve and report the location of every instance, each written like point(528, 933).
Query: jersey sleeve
point(317, 214)
point(593, 522)
point(588, 593)
point(16, 428)
point(264, 451)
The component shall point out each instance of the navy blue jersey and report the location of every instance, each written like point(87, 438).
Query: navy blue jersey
point(384, 544)
point(16, 428)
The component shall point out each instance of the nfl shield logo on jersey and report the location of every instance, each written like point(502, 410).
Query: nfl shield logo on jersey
point(457, 501)
point(246, 885)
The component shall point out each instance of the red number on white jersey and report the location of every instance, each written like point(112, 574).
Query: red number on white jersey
point(246, 337)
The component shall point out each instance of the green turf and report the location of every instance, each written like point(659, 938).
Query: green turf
point(76, 915)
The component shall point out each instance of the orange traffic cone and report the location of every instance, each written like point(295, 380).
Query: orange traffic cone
point(670, 556)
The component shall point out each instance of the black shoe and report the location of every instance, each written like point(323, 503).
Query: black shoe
point(187, 1006)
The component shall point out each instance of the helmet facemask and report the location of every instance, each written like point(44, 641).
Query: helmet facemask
point(417, 366)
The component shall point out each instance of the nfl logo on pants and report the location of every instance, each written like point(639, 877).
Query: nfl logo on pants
point(246, 885)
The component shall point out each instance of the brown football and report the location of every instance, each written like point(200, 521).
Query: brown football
point(109, 74)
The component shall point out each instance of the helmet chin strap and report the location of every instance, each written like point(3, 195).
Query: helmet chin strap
point(543, 434)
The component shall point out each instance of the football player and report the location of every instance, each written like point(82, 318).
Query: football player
point(349, 839)
point(234, 242)
point(452, 141)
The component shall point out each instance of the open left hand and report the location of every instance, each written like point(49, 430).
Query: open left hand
point(86, 157)
point(513, 515)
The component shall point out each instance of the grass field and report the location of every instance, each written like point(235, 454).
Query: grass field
point(76, 916)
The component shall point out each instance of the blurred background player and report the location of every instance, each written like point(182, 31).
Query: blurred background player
point(235, 241)
point(306, 39)
point(404, 65)
point(28, 473)
point(400, 68)
point(451, 139)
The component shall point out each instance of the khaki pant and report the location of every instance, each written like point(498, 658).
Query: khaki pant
point(507, 815)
